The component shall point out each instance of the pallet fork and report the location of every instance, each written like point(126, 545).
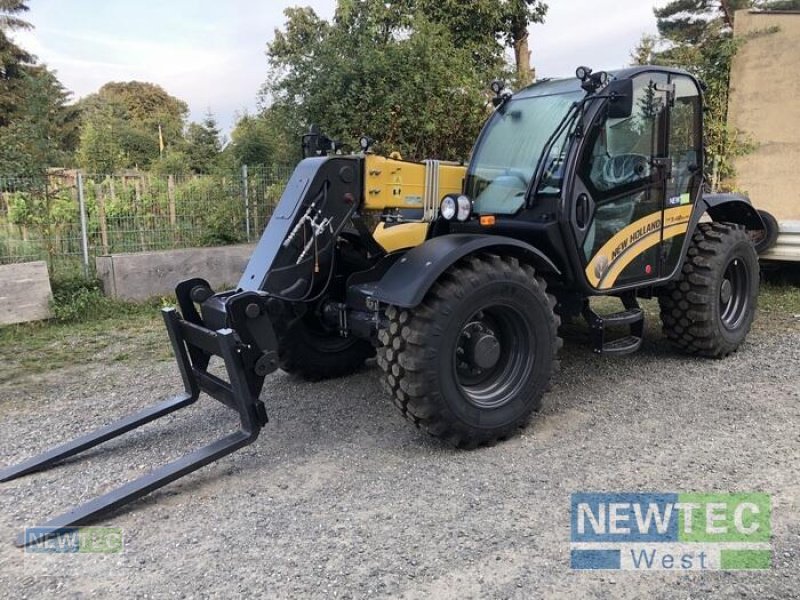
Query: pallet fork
point(249, 351)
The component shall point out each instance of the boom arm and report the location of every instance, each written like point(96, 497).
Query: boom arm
point(294, 255)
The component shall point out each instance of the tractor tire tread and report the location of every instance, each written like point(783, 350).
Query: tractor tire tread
point(406, 360)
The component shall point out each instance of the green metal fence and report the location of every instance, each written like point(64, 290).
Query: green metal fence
point(68, 218)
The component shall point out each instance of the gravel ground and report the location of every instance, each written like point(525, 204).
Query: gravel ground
point(340, 497)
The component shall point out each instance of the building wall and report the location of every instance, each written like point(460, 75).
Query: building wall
point(765, 104)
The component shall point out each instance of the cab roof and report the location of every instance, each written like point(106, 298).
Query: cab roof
point(551, 87)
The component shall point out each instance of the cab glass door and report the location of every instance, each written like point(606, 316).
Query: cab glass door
point(621, 181)
point(686, 175)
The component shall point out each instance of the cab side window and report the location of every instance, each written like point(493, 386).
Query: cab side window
point(620, 156)
point(684, 142)
point(617, 164)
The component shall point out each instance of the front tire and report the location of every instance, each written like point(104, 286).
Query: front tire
point(709, 309)
point(471, 363)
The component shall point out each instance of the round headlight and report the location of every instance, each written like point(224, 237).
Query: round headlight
point(464, 208)
point(583, 73)
point(448, 209)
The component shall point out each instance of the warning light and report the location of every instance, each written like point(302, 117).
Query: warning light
point(648, 269)
point(488, 220)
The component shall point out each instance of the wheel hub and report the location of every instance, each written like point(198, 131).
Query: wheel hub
point(484, 350)
point(493, 356)
point(726, 291)
point(478, 348)
point(733, 294)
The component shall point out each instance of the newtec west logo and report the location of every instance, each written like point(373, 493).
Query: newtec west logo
point(74, 540)
point(678, 532)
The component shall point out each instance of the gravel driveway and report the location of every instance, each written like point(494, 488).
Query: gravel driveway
point(341, 497)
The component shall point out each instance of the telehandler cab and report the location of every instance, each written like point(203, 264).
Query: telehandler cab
point(583, 187)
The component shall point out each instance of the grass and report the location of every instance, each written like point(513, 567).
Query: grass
point(778, 304)
point(781, 300)
point(118, 332)
point(780, 291)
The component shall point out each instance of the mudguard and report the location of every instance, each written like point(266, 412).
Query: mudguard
point(409, 278)
point(728, 208)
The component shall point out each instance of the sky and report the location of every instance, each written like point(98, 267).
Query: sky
point(212, 54)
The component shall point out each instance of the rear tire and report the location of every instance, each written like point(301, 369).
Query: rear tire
point(765, 240)
point(471, 363)
point(709, 309)
point(313, 354)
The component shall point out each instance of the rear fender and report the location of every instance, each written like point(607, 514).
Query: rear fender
point(409, 278)
point(727, 208)
point(722, 208)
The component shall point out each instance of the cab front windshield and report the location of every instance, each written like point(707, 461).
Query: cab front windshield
point(509, 151)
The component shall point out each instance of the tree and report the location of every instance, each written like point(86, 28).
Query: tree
point(44, 133)
point(127, 121)
point(202, 144)
point(13, 59)
point(644, 53)
point(397, 76)
point(266, 139)
point(148, 105)
point(37, 126)
point(172, 162)
point(477, 25)
point(9, 11)
point(697, 35)
point(250, 142)
point(99, 149)
point(518, 16)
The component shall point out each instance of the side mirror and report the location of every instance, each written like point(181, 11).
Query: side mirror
point(620, 102)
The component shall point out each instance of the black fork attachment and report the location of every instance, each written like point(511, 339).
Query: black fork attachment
point(240, 332)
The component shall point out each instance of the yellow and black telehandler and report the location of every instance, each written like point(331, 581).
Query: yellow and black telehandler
point(582, 187)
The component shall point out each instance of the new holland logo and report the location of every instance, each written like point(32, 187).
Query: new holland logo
point(673, 532)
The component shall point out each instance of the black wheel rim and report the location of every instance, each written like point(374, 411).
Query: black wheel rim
point(734, 297)
point(494, 356)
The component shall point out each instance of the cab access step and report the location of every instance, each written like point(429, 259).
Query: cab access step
point(632, 317)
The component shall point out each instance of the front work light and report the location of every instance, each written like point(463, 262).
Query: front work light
point(464, 208)
point(449, 208)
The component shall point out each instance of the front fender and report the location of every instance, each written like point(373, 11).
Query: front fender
point(409, 278)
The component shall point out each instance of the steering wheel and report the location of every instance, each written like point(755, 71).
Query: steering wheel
point(626, 168)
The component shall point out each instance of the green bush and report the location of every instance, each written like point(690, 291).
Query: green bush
point(77, 299)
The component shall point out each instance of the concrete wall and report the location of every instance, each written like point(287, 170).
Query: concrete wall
point(149, 274)
point(24, 293)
